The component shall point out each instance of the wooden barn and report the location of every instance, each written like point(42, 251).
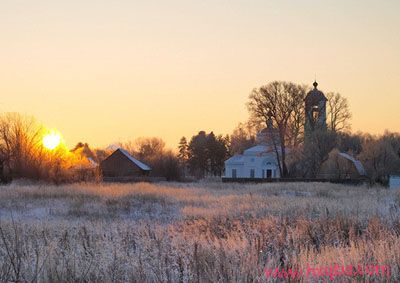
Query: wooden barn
point(341, 165)
point(121, 166)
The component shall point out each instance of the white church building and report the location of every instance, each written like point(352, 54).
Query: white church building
point(257, 162)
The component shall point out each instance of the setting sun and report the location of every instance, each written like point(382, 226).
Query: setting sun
point(51, 140)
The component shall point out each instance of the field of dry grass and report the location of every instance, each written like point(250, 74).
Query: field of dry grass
point(198, 232)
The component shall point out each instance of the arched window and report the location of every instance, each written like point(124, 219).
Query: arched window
point(315, 113)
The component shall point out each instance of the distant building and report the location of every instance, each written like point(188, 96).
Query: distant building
point(261, 161)
point(315, 110)
point(341, 165)
point(394, 181)
point(257, 162)
point(121, 166)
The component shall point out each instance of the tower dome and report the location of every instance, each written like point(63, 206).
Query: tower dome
point(315, 95)
point(268, 135)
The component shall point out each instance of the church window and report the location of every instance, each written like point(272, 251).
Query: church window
point(315, 113)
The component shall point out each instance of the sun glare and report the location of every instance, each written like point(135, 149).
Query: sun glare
point(51, 140)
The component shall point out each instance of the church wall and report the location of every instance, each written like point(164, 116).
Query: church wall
point(244, 171)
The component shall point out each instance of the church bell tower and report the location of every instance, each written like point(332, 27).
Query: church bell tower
point(315, 111)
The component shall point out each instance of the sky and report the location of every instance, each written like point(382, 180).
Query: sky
point(106, 71)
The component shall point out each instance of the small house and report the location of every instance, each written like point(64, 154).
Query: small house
point(121, 166)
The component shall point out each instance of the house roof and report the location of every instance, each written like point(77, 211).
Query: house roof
point(251, 160)
point(138, 163)
point(236, 159)
point(255, 150)
point(258, 150)
point(360, 168)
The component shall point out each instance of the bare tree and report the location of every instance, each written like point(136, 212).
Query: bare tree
point(151, 150)
point(23, 153)
point(148, 148)
point(20, 144)
point(339, 114)
point(296, 125)
point(242, 137)
point(380, 156)
point(145, 148)
point(281, 102)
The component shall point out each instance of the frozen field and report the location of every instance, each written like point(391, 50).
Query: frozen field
point(198, 232)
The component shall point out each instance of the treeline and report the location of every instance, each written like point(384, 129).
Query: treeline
point(200, 156)
point(22, 155)
point(379, 154)
point(277, 104)
point(203, 155)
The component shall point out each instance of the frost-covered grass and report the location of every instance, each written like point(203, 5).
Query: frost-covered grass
point(198, 232)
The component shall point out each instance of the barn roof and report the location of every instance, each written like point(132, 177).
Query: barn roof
point(141, 165)
point(357, 163)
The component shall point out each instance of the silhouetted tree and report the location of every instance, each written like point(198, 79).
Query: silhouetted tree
point(183, 154)
point(348, 142)
point(217, 152)
point(380, 156)
point(338, 112)
point(243, 137)
point(394, 140)
point(24, 155)
point(207, 154)
point(282, 102)
point(171, 167)
point(149, 148)
point(4, 177)
point(20, 145)
point(198, 156)
point(163, 162)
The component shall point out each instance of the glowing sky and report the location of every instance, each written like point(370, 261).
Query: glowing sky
point(104, 71)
